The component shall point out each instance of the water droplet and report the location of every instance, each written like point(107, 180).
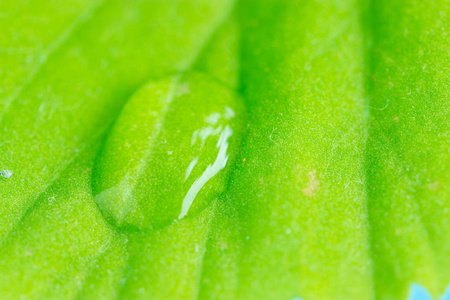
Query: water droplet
point(6, 173)
point(176, 160)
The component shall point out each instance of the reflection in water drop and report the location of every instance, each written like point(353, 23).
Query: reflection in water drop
point(221, 159)
point(190, 167)
point(229, 113)
point(213, 118)
point(210, 171)
point(204, 133)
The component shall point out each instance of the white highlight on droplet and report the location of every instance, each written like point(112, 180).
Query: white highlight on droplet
point(205, 133)
point(6, 173)
point(229, 113)
point(213, 118)
point(190, 168)
point(210, 171)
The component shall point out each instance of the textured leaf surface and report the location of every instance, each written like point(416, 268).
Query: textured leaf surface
point(78, 90)
point(119, 178)
point(300, 195)
point(408, 154)
point(59, 241)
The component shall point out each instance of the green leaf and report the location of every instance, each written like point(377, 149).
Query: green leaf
point(167, 263)
point(29, 37)
point(77, 91)
point(56, 244)
point(407, 149)
point(300, 195)
point(205, 149)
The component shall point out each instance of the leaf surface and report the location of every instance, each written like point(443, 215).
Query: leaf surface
point(332, 185)
point(78, 91)
point(407, 149)
point(51, 252)
point(300, 195)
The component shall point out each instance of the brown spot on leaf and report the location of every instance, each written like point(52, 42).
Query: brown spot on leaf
point(371, 76)
point(183, 89)
point(433, 186)
point(223, 246)
point(313, 184)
